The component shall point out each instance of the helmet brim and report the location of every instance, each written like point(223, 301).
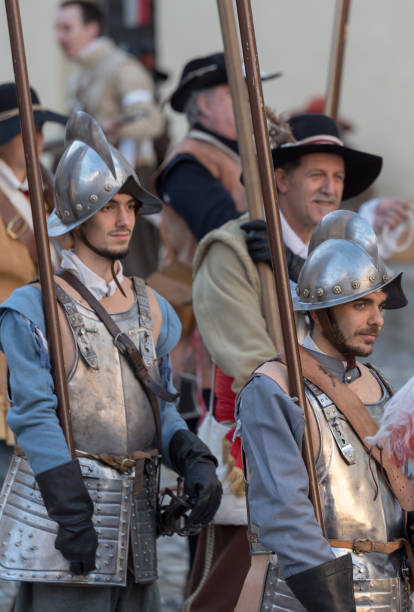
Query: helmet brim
point(395, 297)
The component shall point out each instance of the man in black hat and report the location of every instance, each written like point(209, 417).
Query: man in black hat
point(17, 244)
point(200, 179)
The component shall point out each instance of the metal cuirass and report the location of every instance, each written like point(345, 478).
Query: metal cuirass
point(110, 411)
point(357, 503)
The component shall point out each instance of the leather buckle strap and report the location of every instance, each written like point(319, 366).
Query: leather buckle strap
point(362, 545)
point(365, 545)
point(12, 228)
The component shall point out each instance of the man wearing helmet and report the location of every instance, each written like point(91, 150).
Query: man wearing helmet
point(119, 426)
point(344, 288)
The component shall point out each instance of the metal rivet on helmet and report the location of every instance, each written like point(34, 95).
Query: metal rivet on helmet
point(66, 213)
point(320, 292)
point(79, 207)
point(297, 291)
point(346, 272)
point(93, 198)
point(108, 187)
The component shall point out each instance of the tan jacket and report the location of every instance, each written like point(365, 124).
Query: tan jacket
point(110, 84)
point(16, 269)
point(227, 303)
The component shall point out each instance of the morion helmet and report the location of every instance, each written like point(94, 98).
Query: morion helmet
point(347, 225)
point(89, 174)
point(339, 271)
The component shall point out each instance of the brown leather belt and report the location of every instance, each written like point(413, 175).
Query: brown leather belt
point(125, 464)
point(365, 545)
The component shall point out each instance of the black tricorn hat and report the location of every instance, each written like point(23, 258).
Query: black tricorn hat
point(316, 133)
point(201, 73)
point(9, 112)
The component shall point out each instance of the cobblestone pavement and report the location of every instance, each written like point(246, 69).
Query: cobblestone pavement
point(173, 568)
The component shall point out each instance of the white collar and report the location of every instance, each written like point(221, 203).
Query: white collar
point(96, 284)
point(292, 240)
point(9, 176)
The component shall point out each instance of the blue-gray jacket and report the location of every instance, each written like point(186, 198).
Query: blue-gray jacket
point(33, 417)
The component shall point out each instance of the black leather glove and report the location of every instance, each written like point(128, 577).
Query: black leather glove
point(257, 240)
point(191, 458)
point(68, 503)
point(327, 587)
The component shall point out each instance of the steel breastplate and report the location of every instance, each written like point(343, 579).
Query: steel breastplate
point(110, 411)
point(356, 500)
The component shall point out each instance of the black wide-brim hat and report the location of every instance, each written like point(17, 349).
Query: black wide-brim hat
point(9, 112)
point(316, 133)
point(201, 73)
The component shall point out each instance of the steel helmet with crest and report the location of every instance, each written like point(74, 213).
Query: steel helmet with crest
point(89, 174)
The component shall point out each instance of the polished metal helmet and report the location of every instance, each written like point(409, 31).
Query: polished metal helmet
point(89, 174)
point(347, 225)
point(339, 271)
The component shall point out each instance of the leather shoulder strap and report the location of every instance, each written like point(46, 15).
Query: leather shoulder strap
point(16, 226)
point(360, 420)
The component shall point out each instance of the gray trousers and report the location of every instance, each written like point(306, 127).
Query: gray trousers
point(45, 597)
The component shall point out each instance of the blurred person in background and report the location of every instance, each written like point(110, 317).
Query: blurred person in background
point(116, 89)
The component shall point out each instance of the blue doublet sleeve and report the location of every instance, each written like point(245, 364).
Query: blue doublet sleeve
point(171, 421)
point(271, 426)
point(32, 417)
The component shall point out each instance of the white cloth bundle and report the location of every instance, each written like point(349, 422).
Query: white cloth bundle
point(396, 432)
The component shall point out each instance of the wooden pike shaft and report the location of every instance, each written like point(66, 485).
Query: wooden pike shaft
point(281, 280)
point(340, 33)
point(247, 148)
point(39, 216)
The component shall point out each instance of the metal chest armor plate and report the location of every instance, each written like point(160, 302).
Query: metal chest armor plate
point(110, 411)
point(347, 489)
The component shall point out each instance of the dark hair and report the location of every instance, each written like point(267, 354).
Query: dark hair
point(290, 165)
point(91, 12)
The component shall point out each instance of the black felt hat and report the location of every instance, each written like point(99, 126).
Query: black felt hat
point(316, 133)
point(201, 73)
point(9, 112)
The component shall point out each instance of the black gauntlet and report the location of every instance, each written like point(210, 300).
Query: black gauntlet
point(68, 503)
point(327, 587)
point(191, 458)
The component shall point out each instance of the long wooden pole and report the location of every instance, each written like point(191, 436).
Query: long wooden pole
point(268, 185)
point(340, 33)
point(39, 216)
point(247, 149)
